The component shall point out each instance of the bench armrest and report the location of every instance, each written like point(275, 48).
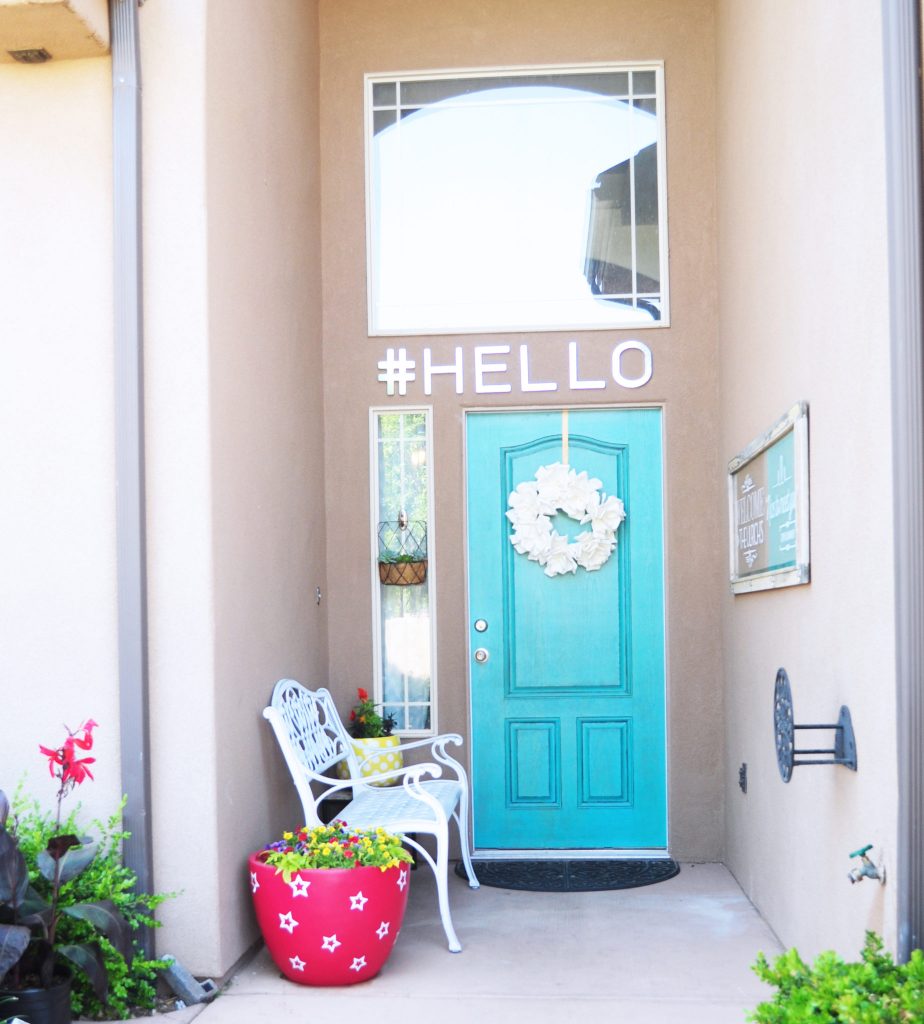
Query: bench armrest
point(437, 746)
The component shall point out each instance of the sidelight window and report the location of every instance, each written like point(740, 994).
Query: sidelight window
point(403, 566)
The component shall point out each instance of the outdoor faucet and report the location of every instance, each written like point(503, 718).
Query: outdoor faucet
point(867, 868)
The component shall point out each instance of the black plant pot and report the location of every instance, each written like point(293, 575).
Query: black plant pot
point(39, 1005)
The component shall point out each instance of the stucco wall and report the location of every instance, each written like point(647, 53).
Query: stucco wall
point(58, 658)
point(179, 501)
point(235, 457)
point(359, 36)
point(266, 414)
point(804, 315)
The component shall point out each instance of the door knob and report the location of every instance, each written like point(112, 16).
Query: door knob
point(481, 655)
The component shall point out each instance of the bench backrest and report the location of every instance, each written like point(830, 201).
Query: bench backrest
point(311, 735)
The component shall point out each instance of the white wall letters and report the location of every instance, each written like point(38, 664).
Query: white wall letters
point(493, 375)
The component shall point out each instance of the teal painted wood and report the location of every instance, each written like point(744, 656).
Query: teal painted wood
point(568, 741)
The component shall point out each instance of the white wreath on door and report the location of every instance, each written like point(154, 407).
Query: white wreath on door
point(557, 487)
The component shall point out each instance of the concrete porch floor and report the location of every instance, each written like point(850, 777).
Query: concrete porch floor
point(678, 951)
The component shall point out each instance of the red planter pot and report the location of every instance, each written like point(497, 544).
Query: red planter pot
point(329, 926)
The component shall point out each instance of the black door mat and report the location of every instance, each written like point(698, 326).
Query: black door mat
point(571, 875)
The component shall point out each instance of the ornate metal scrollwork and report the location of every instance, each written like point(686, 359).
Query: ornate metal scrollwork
point(783, 725)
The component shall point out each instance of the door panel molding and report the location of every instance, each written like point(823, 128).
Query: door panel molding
point(585, 585)
point(604, 759)
point(533, 762)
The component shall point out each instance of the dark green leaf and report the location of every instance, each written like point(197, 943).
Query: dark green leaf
point(76, 860)
point(34, 906)
point(47, 865)
point(70, 864)
point(14, 875)
point(105, 917)
point(13, 941)
point(89, 959)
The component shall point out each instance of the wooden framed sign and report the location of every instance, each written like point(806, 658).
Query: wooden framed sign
point(768, 507)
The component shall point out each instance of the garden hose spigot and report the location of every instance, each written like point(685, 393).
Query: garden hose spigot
point(866, 868)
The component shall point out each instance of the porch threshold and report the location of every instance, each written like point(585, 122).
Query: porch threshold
point(608, 854)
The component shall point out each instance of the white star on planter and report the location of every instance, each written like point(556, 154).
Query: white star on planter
point(383, 929)
point(402, 880)
point(254, 884)
point(288, 922)
point(297, 963)
point(358, 902)
point(359, 962)
point(299, 886)
point(331, 942)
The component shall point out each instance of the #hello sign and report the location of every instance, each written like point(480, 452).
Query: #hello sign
point(502, 369)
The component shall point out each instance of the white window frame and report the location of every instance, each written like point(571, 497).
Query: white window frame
point(657, 66)
point(374, 496)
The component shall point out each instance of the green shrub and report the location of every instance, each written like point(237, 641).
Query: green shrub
point(131, 988)
point(874, 990)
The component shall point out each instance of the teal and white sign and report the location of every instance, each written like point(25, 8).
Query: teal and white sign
point(769, 507)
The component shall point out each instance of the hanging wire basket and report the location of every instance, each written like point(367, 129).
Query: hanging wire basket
point(402, 552)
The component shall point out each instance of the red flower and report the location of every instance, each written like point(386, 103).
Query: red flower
point(54, 757)
point(63, 764)
point(77, 770)
point(87, 742)
point(362, 694)
point(353, 716)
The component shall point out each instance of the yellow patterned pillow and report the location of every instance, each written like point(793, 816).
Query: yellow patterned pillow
point(383, 758)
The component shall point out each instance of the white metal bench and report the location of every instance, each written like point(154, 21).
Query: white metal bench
point(313, 739)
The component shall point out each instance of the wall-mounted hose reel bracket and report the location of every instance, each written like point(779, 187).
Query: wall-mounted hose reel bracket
point(788, 757)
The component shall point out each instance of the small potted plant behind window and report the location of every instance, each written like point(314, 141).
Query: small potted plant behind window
point(374, 746)
point(34, 981)
point(402, 552)
point(400, 570)
point(330, 901)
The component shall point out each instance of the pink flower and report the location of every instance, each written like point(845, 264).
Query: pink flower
point(62, 762)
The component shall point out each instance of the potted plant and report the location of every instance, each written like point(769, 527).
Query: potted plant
point(402, 554)
point(330, 901)
point(398, 569)
point(33, 975)
point(373, 743)
point(131, 987)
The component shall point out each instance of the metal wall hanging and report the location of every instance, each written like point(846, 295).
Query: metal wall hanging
point(402, 552)
point(844, 751)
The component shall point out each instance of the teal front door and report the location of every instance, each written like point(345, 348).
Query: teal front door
point(567, 668)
